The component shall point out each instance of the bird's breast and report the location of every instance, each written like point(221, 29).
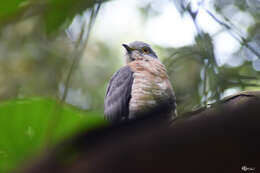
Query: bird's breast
point(150, 85)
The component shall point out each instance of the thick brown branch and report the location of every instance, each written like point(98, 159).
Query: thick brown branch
point(220, 139)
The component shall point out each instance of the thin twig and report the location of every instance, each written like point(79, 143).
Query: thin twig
point(78, 54)
point(240, 39)
point(205, 92)
point(77, 58)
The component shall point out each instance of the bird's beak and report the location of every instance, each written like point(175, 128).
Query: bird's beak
point(128, 49)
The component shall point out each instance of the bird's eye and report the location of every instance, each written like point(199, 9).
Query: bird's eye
point(146, 50)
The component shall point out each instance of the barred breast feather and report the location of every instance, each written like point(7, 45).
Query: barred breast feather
point(150, 87)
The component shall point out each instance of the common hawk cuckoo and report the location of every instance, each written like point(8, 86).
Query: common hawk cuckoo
point(139, 87)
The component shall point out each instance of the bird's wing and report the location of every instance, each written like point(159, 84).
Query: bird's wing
point(118, 95)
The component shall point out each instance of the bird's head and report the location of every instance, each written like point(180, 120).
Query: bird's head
point(138, 50)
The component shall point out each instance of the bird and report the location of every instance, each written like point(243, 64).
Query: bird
point(142, 85)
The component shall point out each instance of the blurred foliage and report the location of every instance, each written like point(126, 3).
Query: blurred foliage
point(36, 53)
point(25, 127)
point(35, 56)
point(197, 77)
point(54, 14)
point(38, 48)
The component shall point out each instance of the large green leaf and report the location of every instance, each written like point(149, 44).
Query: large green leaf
point(56, 14)
point(62, 12)
point(27, 125)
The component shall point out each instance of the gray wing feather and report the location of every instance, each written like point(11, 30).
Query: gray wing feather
point(118, 95)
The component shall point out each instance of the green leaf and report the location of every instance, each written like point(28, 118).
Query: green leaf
point(56, 14)
point(9, 7)
point(26, 125)
point(61, 12)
